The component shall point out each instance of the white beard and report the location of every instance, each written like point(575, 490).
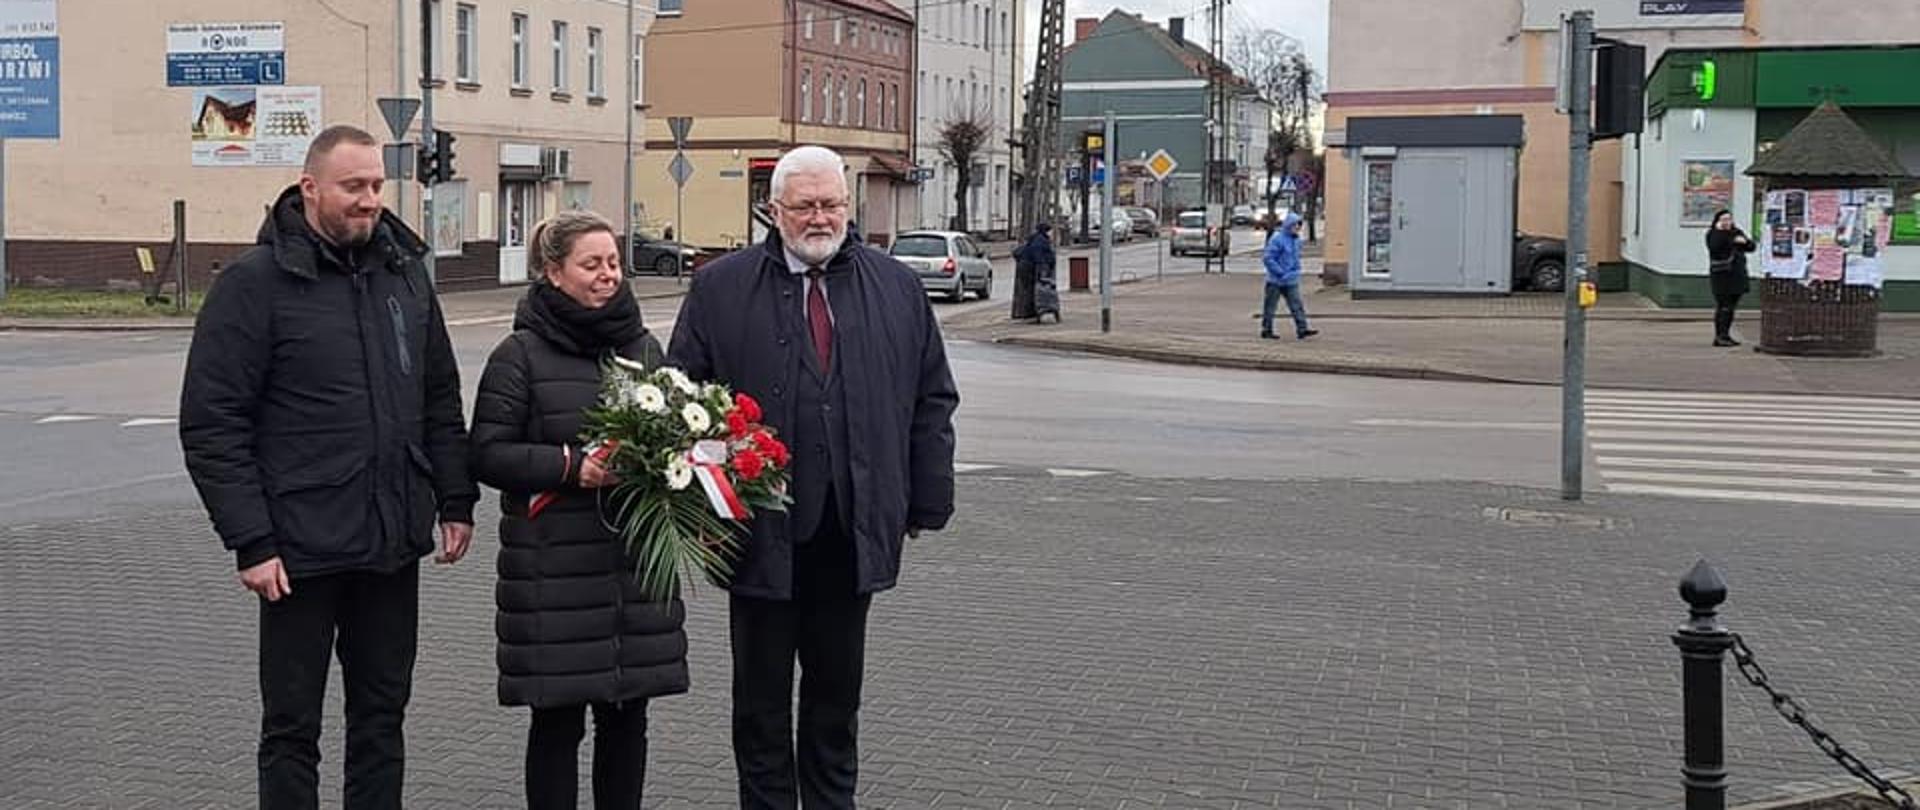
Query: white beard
point(816, 250)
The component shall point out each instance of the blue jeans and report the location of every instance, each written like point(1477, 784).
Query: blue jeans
point(1295, 306)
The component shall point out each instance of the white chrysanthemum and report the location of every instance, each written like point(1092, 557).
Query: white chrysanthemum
point(680, 381)
point(626, 394)
point(679, 474)
point(697, 418)
point(651, 399)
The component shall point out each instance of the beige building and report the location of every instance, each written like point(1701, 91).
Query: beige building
point(759, 77)
point(1488, 57)
point(533, 91)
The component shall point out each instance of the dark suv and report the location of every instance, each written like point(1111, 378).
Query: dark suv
point(1539, 263)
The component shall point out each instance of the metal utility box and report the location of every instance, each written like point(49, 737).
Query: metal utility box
point(1433, 206)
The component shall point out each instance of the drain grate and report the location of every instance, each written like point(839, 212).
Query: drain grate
point(1537, 517)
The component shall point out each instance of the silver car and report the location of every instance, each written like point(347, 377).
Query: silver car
point(948, 262)
point(1192, 234)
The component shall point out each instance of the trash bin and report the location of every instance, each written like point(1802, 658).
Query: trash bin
point(1077, 274)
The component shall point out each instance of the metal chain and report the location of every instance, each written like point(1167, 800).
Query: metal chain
point(1796, 714)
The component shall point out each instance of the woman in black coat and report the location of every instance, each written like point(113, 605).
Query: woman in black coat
point(1727, 249)
point(574, 628)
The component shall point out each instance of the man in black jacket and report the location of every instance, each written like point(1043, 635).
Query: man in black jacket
point(839, 343)
point(320, 417)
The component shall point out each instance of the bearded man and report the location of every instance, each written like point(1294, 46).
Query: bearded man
point(838, 342)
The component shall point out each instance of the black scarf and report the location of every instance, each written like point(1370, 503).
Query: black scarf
point(566, 323)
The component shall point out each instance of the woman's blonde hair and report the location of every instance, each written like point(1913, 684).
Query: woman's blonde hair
point(553, 238)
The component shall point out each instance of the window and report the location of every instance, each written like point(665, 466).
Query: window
point(839, 26)
point(826, 98)
point(671, 8)
point(596, 63)
point(853, 34)
point(806, 95)
point(840, 104)
point(465, 61)
point(806, 25)
point(639, 66)
point(520, 50)
point(1004, 36)
point(559, 57)
point(861, 99)
point(437, 30)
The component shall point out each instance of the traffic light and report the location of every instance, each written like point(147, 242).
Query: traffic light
point(435, 163)
point(425, 166)
point(442, 156)
point(1619, 100)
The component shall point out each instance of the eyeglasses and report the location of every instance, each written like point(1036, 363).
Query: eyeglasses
point(812, 209)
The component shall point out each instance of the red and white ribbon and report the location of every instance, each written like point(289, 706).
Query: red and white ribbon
point(709, 460)
point(598, 451)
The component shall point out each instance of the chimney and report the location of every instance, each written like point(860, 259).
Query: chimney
point(1084, 26)
point(1177, 28)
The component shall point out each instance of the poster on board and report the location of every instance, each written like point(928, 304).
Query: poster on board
point(1706, 186)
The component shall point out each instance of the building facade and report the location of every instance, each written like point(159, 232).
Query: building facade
point(1471, 57)
point(1154, 80)
point(532, 91)
point(759, 77)
point(969, 66)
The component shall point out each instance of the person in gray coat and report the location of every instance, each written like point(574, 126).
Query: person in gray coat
point(838, 343)
point(575, 629)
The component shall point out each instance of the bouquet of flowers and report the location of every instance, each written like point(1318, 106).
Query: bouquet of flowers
point(694, 464)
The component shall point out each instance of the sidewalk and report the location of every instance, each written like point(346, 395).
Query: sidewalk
point(1213, 320)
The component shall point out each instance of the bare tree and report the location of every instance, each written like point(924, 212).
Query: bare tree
point(961, 139)
point(1283, 75)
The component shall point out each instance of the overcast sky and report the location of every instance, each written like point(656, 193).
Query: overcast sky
point(1305, 20)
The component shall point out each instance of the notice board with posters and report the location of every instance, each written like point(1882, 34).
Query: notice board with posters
point(1828, 235)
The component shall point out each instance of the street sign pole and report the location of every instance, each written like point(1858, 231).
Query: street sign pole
point(1106, 229)
point(1161, 166)
point(426, 136)
point(1573, 385)
point(3, 219)
point(680, 126)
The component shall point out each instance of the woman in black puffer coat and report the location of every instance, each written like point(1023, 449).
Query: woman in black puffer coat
point(574, 628)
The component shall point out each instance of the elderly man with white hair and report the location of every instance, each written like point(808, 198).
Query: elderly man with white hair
point(839, 344)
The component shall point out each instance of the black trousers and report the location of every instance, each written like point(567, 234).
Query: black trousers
point(619, 756)
point(825, 629)
point(1724, 305)
point(370, 620)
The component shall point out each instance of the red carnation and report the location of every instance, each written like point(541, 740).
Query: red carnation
point(747, 407)
point(749, 464)
point(771, 447)
point(736, 423)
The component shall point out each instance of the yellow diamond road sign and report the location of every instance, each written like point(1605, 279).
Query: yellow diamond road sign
point(1161, 164)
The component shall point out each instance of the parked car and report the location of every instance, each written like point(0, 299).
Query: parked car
point(1242, 215)
point(1191, 235)
point(662, 257)
point(1271, 215)
point(948, 262)
point(1539, 263)
point(1145, 221)
point(1122, 226)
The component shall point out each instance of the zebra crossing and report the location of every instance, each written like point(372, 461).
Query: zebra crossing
point(1816, 450)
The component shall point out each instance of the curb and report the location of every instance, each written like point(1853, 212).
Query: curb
point(1172, 357)
point(1307, 366)
point(80, 325)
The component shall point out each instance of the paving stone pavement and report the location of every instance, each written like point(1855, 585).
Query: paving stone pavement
point(1096, 642)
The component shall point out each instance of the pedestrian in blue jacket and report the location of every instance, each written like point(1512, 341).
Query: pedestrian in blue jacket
point(1282, 259)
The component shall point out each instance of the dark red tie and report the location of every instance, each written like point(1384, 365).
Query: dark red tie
point(819, 319)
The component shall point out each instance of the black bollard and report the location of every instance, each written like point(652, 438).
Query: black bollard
point(1703, 644)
